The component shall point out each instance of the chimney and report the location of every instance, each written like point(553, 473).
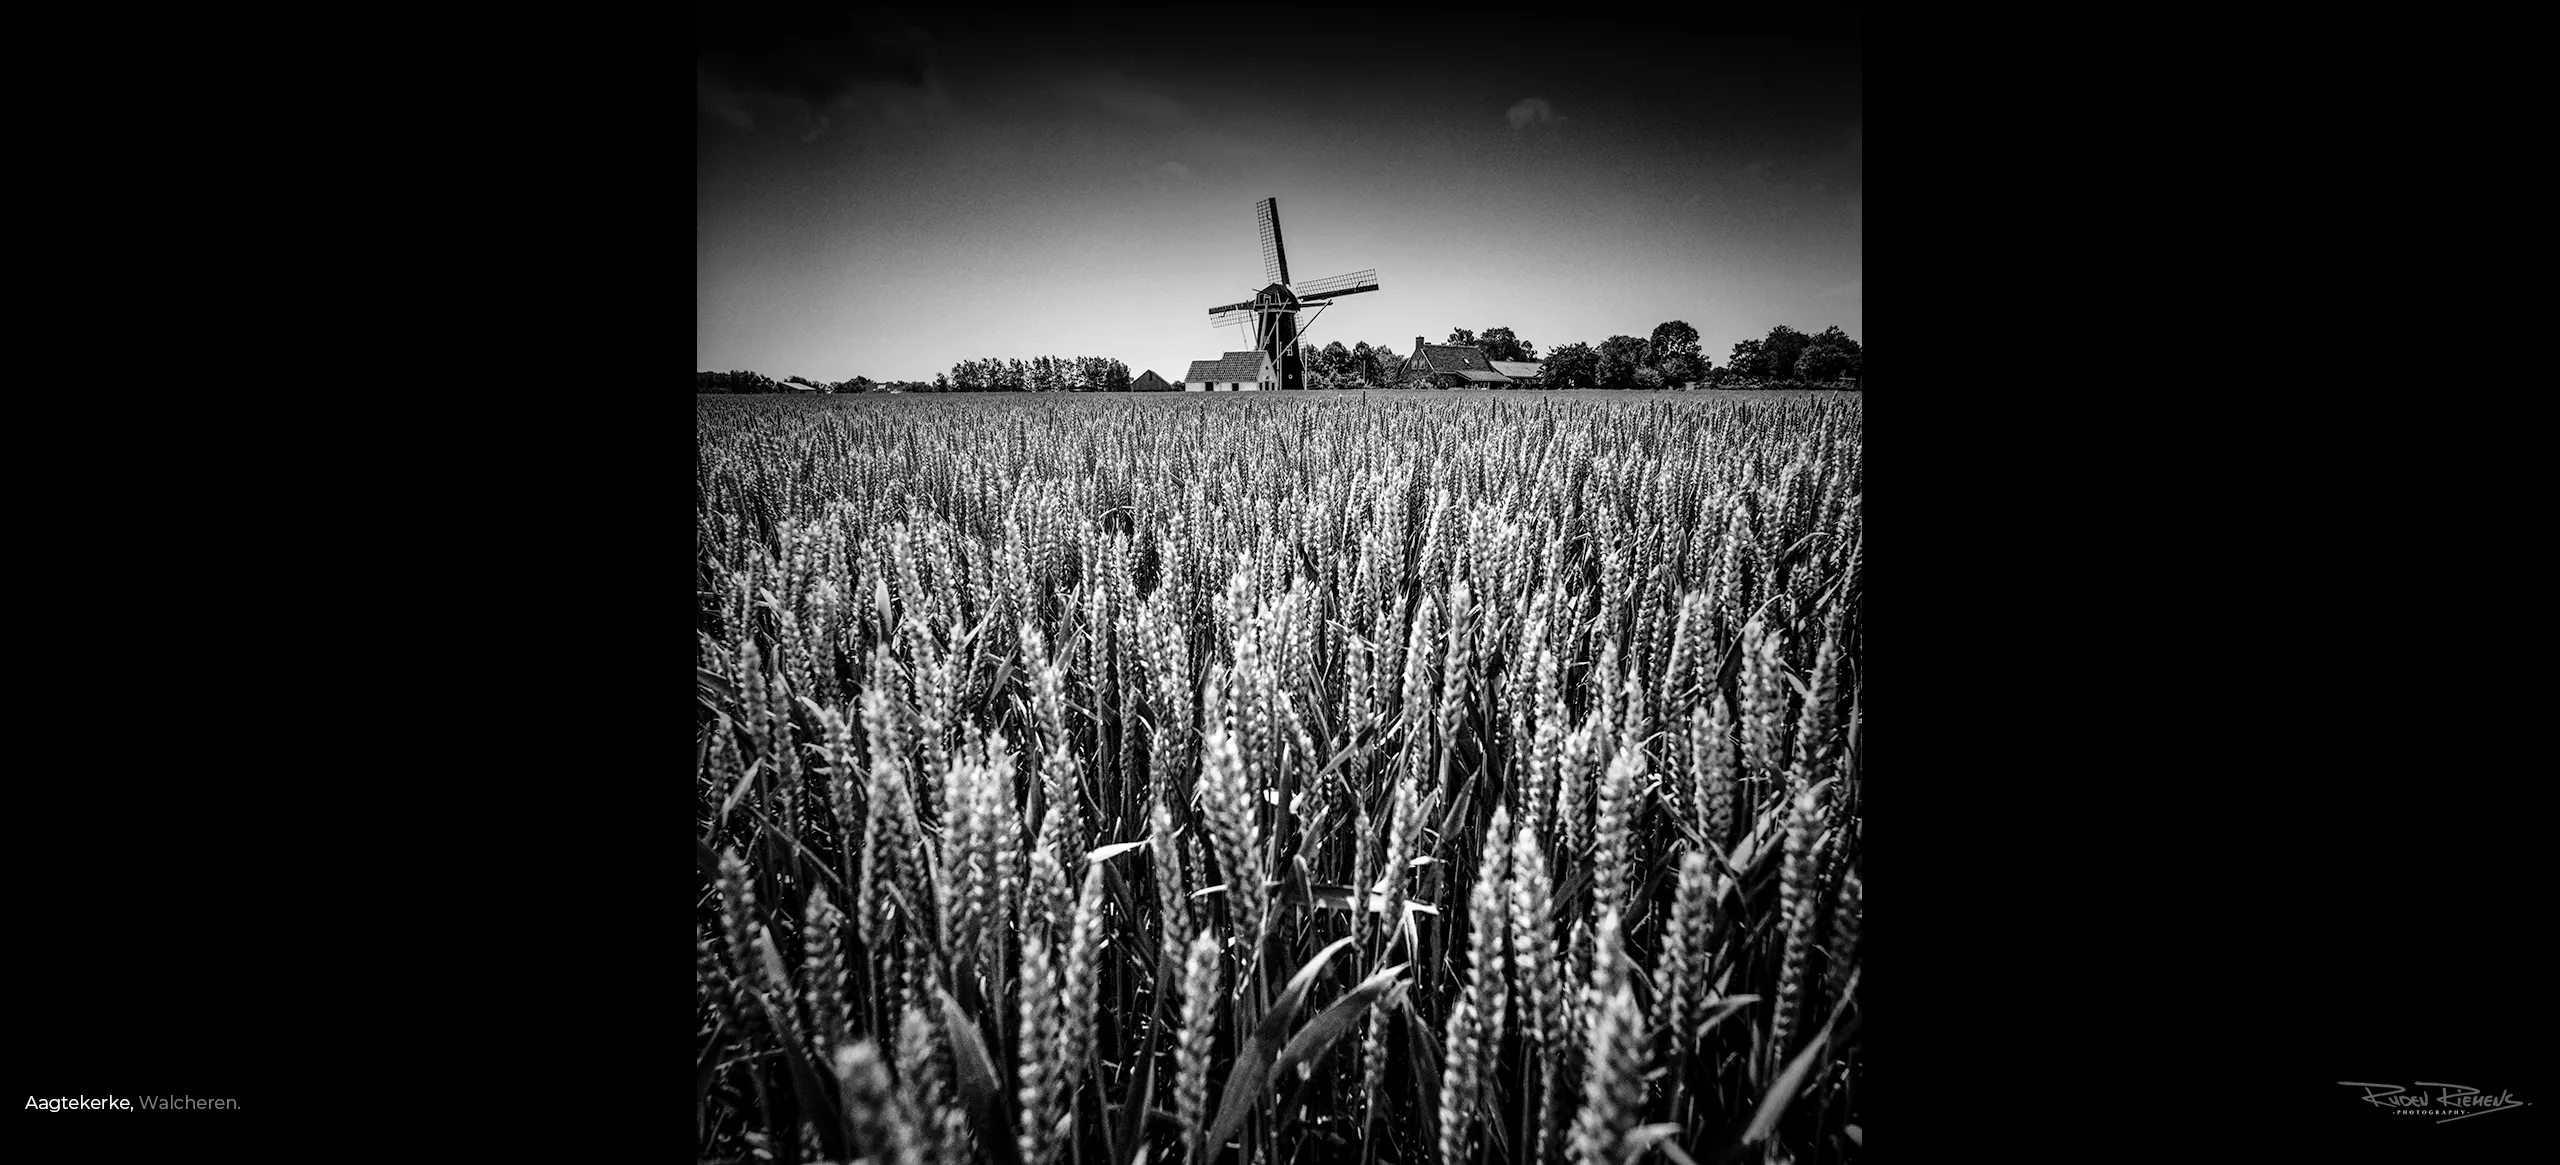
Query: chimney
point(1417, 343)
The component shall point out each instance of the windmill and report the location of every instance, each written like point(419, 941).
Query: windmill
point(1273, 311)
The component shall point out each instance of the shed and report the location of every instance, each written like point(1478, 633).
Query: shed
point(1148, 381)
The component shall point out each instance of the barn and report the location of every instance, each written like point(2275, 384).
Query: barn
point(1524, 373)
point(1148, 381)
point(1464, 364)
point(1232, 372)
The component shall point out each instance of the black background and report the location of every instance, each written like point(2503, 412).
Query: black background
point(2206, 763)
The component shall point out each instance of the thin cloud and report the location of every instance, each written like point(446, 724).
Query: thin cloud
point(722, 102)
point(1529, 111)
point(1842, 165)
point(814, 52)
point(1120, 96)
point(804, 57)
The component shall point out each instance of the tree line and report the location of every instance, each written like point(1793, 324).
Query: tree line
point(1667, 358)
point(749, 382)
point(1787, 354)
point(1358, 366)
point(1038, 374)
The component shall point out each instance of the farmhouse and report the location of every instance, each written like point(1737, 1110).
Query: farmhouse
point(1464, 363)
point(1148, 381)
point(1233, 372)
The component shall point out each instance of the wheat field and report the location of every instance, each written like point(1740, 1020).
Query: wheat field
point(1456, 778)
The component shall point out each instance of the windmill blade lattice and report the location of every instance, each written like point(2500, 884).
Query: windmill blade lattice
point(1275, 258)
point(1352, 283)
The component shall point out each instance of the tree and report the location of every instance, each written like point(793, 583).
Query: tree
point(1461, 336)
point(1830, 356)
point(859, 384)
point(1673, 349)
point(1672, 339)
point(1821, 362)
point(1328, 366)
point(1574, 365)
point(1620, 356)
point(1748, 360)
point(1501, 344)
point(941, 383)
point(1649, 378)
point(1782, 349)
point(1363, 366)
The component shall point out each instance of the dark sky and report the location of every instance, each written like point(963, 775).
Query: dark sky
point(884, 193)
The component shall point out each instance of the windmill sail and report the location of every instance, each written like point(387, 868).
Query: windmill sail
point(1275, 260)
point(1336, 285)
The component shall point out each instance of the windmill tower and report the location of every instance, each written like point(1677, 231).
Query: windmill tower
point(1273, 311)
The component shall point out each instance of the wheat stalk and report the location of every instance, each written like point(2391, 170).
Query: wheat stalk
point(1796, 904)
point(1534, 956)
point(1199, 1031)
point(1614, 1058)
point(1686, 951)
point(881, 1125)
point(1229, 805)
point(1043, 1079)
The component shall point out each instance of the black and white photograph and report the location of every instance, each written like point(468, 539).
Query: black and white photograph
point(1280, 585)
point(1287, 586)
point(1277, 591)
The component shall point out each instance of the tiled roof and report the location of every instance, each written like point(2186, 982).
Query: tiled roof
point(1517, 369)
point(1483, 377)
point(1232, 367)
point(1454, 358)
